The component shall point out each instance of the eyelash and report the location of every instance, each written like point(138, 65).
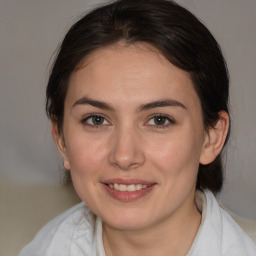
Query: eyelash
point(91, 116)
point(161, 126)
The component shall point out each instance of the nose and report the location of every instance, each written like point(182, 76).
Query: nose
point(126, 150)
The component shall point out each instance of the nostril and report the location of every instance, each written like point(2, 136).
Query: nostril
point(127, 165)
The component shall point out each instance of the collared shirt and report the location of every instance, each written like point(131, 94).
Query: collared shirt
point(78, 232)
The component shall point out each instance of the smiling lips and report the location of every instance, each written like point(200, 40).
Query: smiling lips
point(130, 188)
point(128, 192)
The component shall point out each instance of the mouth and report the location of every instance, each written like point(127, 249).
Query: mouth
point(128, 190)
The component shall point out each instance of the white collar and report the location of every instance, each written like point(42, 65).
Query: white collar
point(200, 200)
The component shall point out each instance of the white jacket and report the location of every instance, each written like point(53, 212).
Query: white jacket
point(77, 232)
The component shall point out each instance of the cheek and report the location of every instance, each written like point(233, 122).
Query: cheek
point(87, 160)
point(85, 154)
point(177, 154)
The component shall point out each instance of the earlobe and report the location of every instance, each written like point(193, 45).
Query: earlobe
point(60, 143)
point(215, 139)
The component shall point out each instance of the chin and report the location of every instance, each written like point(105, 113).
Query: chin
point(128, 221)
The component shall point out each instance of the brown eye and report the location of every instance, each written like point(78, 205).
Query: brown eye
point(95, 120)
point(160, 120)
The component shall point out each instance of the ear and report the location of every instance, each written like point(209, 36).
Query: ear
point(60, 143)
point(215, 139)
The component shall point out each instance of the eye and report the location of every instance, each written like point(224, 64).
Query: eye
point(160, 121)
point(95, 120)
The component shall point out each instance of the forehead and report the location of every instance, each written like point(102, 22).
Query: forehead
point(130, 73)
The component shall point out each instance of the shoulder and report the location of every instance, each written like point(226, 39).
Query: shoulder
point(62, 235)
point(234, 240)
point(219, 230)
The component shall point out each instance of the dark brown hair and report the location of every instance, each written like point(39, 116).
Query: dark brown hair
point(174, 32)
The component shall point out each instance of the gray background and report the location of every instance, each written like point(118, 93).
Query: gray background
point(30, 31)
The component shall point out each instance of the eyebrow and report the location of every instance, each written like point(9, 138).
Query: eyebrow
point(94, 103)
point(144, 107)
point(161, 103)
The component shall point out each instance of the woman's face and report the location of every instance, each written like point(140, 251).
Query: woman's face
point(133, 136)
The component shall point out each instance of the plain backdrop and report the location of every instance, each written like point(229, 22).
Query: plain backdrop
point(30, 31)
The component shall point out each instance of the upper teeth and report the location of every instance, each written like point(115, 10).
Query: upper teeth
point(131, 187)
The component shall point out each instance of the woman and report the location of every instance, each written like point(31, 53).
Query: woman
point(138, 99)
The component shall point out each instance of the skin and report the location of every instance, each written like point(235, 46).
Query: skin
point(128, 143)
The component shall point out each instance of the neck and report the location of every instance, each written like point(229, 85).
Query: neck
point(172, 236)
